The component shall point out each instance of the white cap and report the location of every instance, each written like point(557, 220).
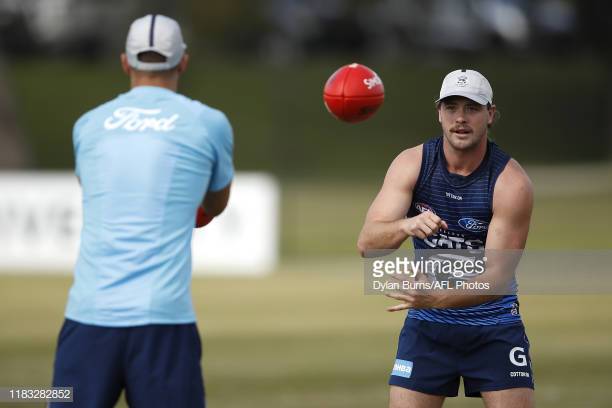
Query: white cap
point(156, 33)
point(468, 83)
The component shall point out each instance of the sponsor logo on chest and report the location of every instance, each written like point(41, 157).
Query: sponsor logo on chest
point(473, 225)
point(456, 239)
point(453, 240)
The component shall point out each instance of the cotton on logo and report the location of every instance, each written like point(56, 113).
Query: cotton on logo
point(519, 360)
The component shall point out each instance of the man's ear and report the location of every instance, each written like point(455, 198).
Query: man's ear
point(492, 111)
point(125, 66)
point(182, 66)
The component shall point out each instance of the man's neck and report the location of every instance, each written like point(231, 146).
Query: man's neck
point(464, 162)
point(170, 84)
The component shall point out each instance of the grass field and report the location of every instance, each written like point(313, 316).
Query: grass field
point(306, 336)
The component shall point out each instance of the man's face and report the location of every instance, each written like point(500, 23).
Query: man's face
point(464, 122)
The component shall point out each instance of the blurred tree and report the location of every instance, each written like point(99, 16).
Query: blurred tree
point(229, 25)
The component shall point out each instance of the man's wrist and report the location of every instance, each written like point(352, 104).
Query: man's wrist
point(404, 225)
point(202, 218)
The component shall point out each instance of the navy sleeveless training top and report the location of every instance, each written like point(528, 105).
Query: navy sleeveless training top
point(465, 203)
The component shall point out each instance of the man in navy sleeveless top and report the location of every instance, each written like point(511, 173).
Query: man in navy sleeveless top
point(457, 191)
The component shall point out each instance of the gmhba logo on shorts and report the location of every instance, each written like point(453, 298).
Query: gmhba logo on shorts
point(402, 368)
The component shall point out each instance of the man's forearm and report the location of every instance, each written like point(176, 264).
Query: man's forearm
point(382, 235)
point(498, 281)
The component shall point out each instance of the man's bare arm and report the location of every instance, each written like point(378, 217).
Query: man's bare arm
point(386, 225)
point(512, 207)
point(215, 201)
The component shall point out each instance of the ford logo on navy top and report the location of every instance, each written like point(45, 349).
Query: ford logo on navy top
point(474, 225)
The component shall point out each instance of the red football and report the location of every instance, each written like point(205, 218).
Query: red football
point(353, 93)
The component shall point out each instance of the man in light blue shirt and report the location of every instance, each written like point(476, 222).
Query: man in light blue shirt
point(147, 161)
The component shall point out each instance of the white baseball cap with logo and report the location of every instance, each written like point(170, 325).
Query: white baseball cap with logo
point(469, 84)
point(156, 33)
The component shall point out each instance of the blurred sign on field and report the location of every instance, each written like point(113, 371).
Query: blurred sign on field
point(41, 218)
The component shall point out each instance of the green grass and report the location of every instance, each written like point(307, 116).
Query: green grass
point(306, 336)
point(299, 339)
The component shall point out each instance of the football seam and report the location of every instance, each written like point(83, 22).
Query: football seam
point(355, 97)
point(346, 79)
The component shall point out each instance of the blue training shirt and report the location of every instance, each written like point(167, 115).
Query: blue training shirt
point(145, 161)
point(461, 201)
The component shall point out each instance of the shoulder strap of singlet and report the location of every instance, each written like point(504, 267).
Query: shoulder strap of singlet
point(428, 160)
point(498, 162)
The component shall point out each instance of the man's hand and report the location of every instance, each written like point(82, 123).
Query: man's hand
point(424, 225)
point(413, 299)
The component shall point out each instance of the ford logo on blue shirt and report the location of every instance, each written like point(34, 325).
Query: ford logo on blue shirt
point(474, 225)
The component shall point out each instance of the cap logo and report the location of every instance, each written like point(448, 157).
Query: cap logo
point(462, 80)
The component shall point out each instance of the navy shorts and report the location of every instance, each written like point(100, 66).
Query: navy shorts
point(432, 357)
point(157, 365)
